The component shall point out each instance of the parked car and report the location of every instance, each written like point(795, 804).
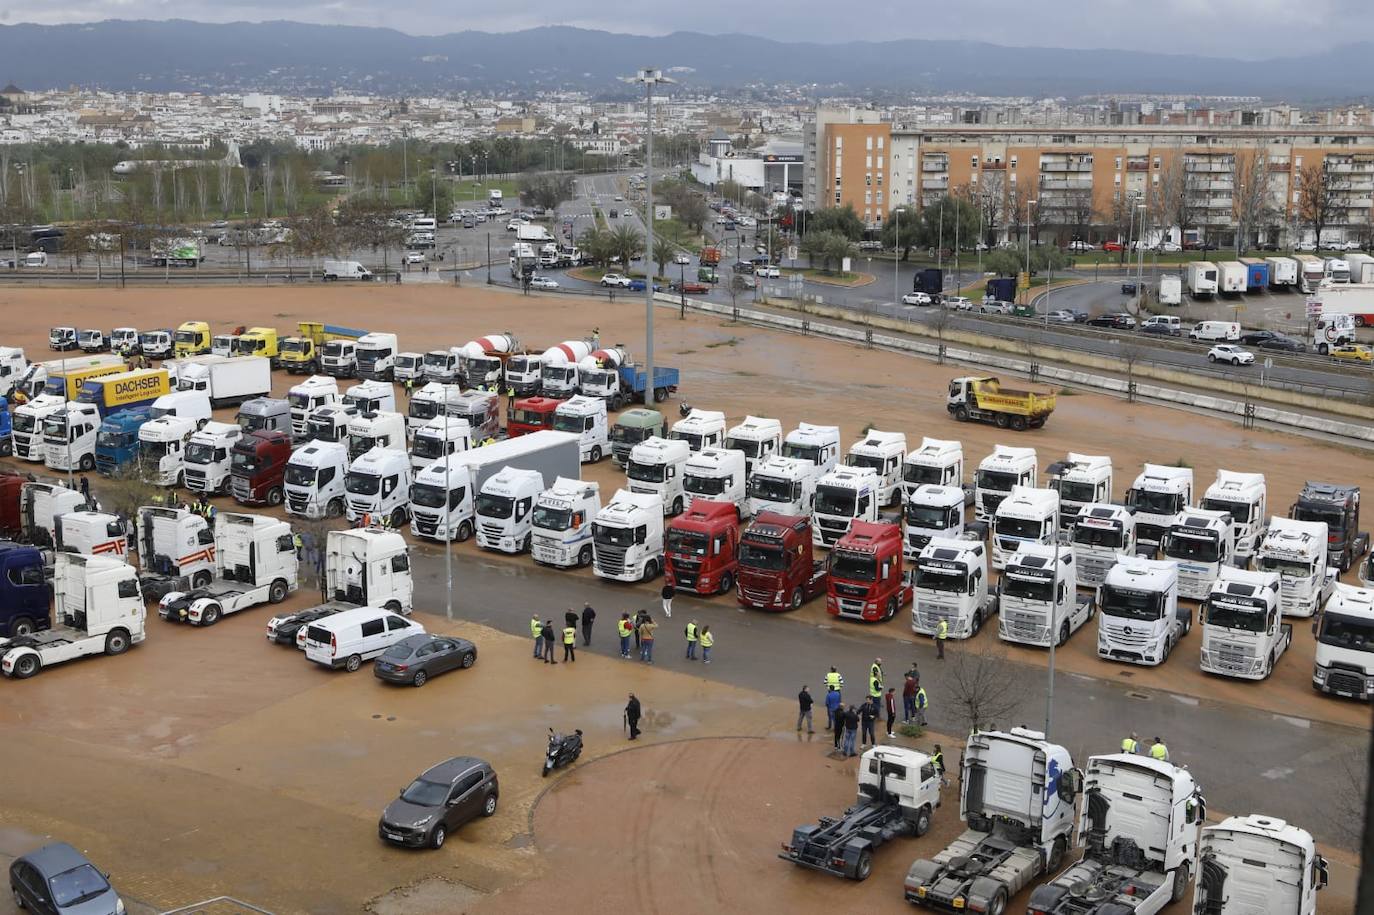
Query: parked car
point(869, 245)
point(1162, 330)
point(1079, 315)
point(1128, 288)
point(768, 272)
point(1079, 245)
point(916, 298)
point(742, 267)
point(282, 630)
point(440, 800)
point(1256, 337)
point(1062, 316)
point(637, 285)
point(543, 282)
point(691, 288)
point(416, 659)
point(958, 302)
point(996, 308)
point(1282, 344)
point(682, 258)
point(1351, 352)
point(59, 879)
point(1115, 320)
point(1226, 352)
point(1113, 246)
point(1168, 247)
point(415, 257)
point(615, 279)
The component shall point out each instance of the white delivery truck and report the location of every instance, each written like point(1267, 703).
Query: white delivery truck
point(91, 533)
point(437, 439)
point(255, 563)
point(1017, 795)
point(1004, 468)
point(162, 447)
point(782, 484)
point(314, 480)
point(563, 516)
point(445, 491)
point(378, 487)
point(376, 357)
point(186, 404)
point(937, 462)
point(1244, 497)
point(884, 453)
point(1139, 619)
point(308, 395)
point(408, 367)
point(936, 511)
point(441, 366)
point(505, 510)
point(1243, 633)
point(818, 444)
point(950, 583)
point(1231, 276)
point(69, 435)
point(1296, 550)
point(344, 270)
point(585, 417)
point(208, 457)
point(1202, 278)
point(627, 537)
point(1079, 480)
point(97, 609)
point(700, 429)
point(1157, 499)
point(758, 437)
point(228, 382)
point(656, 466)
point(843, 495)
point(1283, 272)
point(176, 549)
point(1039, 598)
point(375, 430)
point(1171, 289)
point(717, 474)
point(1026, 515)
point(1201, 542)
point(339, 358)
point(1257, 865)
point(1139, 827)
point(1215, 332)
point(371, 397)
point(1344, 663)
point(1100, 533)
point(40, 505)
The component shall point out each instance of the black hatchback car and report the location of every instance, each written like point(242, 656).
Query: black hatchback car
point(443, 798)
point(58, 879)
point(415, 659)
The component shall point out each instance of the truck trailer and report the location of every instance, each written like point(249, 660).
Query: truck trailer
point(983, 398)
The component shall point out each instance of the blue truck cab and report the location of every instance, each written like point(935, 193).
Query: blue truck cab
point(6, 427)
point(25, 593)
point(116, 442)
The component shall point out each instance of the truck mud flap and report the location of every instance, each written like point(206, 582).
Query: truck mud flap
point(1211, 887)
point(974, 787)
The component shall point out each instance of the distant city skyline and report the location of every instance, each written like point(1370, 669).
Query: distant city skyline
point(1241, 29)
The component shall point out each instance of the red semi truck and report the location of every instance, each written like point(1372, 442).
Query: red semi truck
point(11, 517)
point(257, 467)
point(776, 568)
point(866, 580)
point(701, 549)
point(530, 414)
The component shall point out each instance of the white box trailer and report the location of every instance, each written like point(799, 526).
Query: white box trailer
point(1170, 290)
point(1231, 276)
point(227, 381)
point(1202, 278)
point(1283, 272)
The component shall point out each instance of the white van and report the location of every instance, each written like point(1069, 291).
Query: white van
point(349, 638)
point(1215, 331)
point(423, 224)
point(36, 259)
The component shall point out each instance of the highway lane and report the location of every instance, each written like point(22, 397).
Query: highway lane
point(1245, 759)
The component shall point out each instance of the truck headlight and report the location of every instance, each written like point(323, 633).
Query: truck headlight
point(1206, 656)
point(958, 902)
point(1319, 674)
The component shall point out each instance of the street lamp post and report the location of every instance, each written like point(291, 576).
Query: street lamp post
point(650, 77)
point(1029, 204)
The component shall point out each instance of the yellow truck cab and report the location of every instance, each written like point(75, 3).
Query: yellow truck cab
point(301, 354)
point(258, 341)
point(192, 338)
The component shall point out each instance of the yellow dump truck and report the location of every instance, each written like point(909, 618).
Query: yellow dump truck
point(192, 338)
point(301, 354)
point(983, 398)
point(258, 341)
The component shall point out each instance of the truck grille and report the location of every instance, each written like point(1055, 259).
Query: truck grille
point(991, 501)
point(105, 465)
point(850, 590)
point(1232, 656)
point(1117, 635)
point(296, 502)
point(757, 596)
point(621, 453)
point(1093, 569)
point(1024, 625)
point(832, 530)
point(491, 532)
point(685, 572)
point(930, 612)
point(195, 480)
point(358, 507)
point(547, 549)
point(917, 541)
point(425, 524)
point(848, 607)
point(610, 560)
point(28, 449)
point(241, 489)
point(1344, 681)
point(1194, 585)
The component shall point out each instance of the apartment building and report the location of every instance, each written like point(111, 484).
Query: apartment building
point(1091, 181)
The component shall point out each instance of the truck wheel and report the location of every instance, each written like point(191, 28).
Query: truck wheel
point(796, 601)
point(660, 395)
point(87, 463)
point(1063, 636)
point(921, 825)
point(117, 642)
point(26, 666)
point(274, 496)
point(1056, 856)
point(210, 616)
point(394, 606)
point(398, 518)
point(1180, 882)
point(727, 583)
point(335, 509)
point(277, 593)
point(677, 506)
point(527, 543)
point(584, 557)
point(961, 414)
point(650, 570)
point(998, 905)
point(464, 531)
point(596, 454)
point(21, 626)
point(977, 622)
point(1002, 420)
point(201, 579)
point(891, 610)
point(352, 664)
point(1269, 668)
point(864, 866)
point(1018, 423)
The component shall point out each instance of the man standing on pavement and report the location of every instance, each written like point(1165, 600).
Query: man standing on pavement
point(570, 643)
point(537, 630)
point(570, 618)
point(835, 708)
point(667, 595)
point(632, 716)
point(875, 678)
point(868, 713)
point(909, 698)
point(547, 632)
point(851, 731)
point(692, 640)
point(834, 680)
point(588, 617)
point(646, 639)
point(624, 628)
point(941, 633)
point(804, 703)
point(890, 704)
point(85, 489)
point(1159, 751)
point(921, 704)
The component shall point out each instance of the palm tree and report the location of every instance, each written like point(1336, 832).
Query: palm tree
point(596, 242)
point(663, 252)
point(627, 243)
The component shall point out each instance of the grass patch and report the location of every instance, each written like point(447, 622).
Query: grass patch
point(733, 341)
point(910, 730)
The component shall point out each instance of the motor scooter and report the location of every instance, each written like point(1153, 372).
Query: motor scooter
point(563, 749)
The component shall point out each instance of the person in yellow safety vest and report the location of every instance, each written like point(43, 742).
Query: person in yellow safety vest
point(922, 703)
point(1130, 744)
point(941, 633)
point(570, 643)
point(938, 761)
point(692, 640)
point(624, 628)
point(833, 680)
point(1159, 751)
point(296, 539)
point(510, 392)
point(707, 640)
point(537, 631)
point(875, 677)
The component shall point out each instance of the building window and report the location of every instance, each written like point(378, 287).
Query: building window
point(837, 182)
point(973, 179)
point(1118, 179)
point(868, 197)
point(1154, 179)
point(1013, 177)
point(973, 162)
point(879, 161)
point(880, 181)
point(1297, 161)
point(868, 161)
point(868, 180)
point(880, 142)
point(868, 142)
point(1013, 162)
point(1118, 163)
point(839, 143)
point(1156, 163)
point(837, 198)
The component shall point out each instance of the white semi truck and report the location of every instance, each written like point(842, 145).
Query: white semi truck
point(563, 516)
point(40, 505)
point(307, 396)
point(1017, 796)
point(208, 457)
point(884, 453)
point(162, 447)
point(933, 510)
point(1344, 662)
point(818, 444)
point(627, 537)
point(1100, 533)
point(656, 467)
point(314, 480)
point(585, 417)
point(1004, 468)
point(1026, 516)
point(1080, 480)
point(1202, 543)
point(97, 609)
point(758, 437)
point(1139, 826)
point(1139, 619)
point(91, 533)
point(505, 510)
point(371, 396)
point(437, 439)
point(1244, 497)
point(1157, 499)
point(717, 474)
point(1296, 550)
point(782, 484)
point(950, 583)
point(1243, 633)
point(700, 429)
point(176, 550)
point(376, 429)
point(255, 563)
point(430, 401)
point(1039, 598)
point(378, 486)
point(843, 495)
point(936, 462)
point(1257, 865)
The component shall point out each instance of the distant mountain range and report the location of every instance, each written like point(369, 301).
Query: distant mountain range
point(316, 59)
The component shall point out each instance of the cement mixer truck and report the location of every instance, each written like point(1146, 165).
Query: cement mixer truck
point(483, 359)
point(599, 375)
point(558, 376)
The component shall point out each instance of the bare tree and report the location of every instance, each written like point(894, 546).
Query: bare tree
point(939, 322)
point(1130, 355)
point(130, 488)
point(1118, 218)
point(992, 202)
point(983, 687)
point(1321, 197)
point(226, 189)
point(201, 191)
point(1253, 186)
point(268, 186)
point(1172, 201)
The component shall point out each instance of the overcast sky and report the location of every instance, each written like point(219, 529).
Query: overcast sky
point(1222, 28)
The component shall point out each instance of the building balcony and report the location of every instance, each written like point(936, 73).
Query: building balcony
point(1361, 167)
point(994, 165)
point(1061, 165)
point(934, 165)
point(1066, 184)
point(1208, 168)
point(934, 184)
point(1213, 184)
point(1137, 166)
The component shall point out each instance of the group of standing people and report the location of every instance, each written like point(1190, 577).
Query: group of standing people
point(855, 725)
point(546, 637)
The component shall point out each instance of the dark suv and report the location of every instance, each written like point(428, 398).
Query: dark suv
point(443, 798)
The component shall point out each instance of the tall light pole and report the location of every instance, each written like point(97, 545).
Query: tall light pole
point(1140, 255)
point(650, 77)
point(1029, 204)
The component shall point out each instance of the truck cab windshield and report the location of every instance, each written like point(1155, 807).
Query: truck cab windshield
point(953, 581)
point(424, 409)
point(613, 536)
point(596, 378)
point(1195, 549)
point(1287, 568)
point(549, 518)
point(200, 453)
point(919, 474)
point(1235, 614)
point(115, 439)
point(564, 423)
point(1130, 604)
point(296, 475)
point(428, 446)
point(362, 484)
point(247, 463)
point(1024, 528)
point(433, 496)
point(438, 360)
point(693, 542)
point(754, 556)
point(1335, 520)
point(831, 501)
point(185, 336)
point(646, 473)
point(152, 449)
point(853, 566)
point(1076, 492)
point(1156, 503)
point(811, 453)
point(494, 506)
point(55, 427)
point(693, 441)
point(534, 418)
point(293, 346)
point(865, 460)
point(333, 348)
point(1098, 536)
point(628, 435)
point(1034, 589)
point(301, 401)
point(703, 486)
point(1350, 632)
point(773, 489)
point(1239, 511)
point(249, 423)
point(997, 480)
point(557, 373)
point(925, 516)
point(750, 448)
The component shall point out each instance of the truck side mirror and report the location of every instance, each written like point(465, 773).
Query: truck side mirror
point(1320, 877)
point(1070, 784)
